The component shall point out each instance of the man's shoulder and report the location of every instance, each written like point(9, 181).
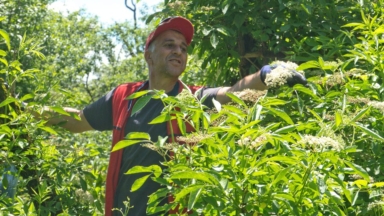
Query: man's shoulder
point(130, 84)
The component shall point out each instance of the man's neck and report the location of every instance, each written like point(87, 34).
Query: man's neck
point(163, 84)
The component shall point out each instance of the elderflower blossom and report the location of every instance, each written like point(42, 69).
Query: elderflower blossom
point(281, 73)
point(185, 97)
point(320, 144)
point(250, 95)
point(252, 144)
point(84, 196)
point(378, 105)
point(376, 207)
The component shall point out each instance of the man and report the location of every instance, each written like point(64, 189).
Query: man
point(166, 57)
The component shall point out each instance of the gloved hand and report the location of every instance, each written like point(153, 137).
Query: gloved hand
point(292, 78)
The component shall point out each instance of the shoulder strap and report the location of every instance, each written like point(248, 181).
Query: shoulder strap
point(121, 109)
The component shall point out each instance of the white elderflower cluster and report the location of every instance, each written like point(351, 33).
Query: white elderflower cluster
point(250, 95)
point(320, 144)
point(185, 97)
point(279, 75)
point(376, 104)
point(84, 196)
point(252, 144)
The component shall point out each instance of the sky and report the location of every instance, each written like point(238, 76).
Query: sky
point(108, 11)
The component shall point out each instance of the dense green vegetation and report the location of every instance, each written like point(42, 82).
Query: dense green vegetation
point(286, 151)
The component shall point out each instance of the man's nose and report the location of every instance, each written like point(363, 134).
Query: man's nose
point(177, 50)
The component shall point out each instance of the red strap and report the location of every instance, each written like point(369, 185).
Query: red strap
point(121, 109)
point(120, 116)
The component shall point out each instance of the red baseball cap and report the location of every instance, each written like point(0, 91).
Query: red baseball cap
point(176, 23)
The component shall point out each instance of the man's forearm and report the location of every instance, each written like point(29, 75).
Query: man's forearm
point(252, 81)
point(70, 123)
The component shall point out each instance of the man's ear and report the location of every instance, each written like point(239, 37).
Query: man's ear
point(147, 56)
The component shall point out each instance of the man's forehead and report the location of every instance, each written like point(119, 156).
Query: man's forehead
point(171, 35)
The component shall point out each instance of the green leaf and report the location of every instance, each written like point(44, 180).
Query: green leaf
point(280, 175)
point(217, 104)
point(214, 40)
point(338, 119)
point(355, 198)
point(3, 53)
point(281, 159)
point(137, 94)
point(206, 177)
point(155, 169)
point(186, 191)
point(26, 97)
point(83, 184)
point(369, 132)
point(321, 63)
point(236, 99)
point(48, 129)
point(360, 114)
point(140, 103)
point(306, 91)
point(8, 101)
point(223, 30)
point(284, 196)
point(353, 24)
point(239, 19)
point(5, 35)
point(308, 65)
point(138, 183)
point(4, 61)
point(315, 114)
point(193, 197)
point(358, 169)
point(225, 9)
point(125, 143)
point(240, 2)
point(281, 114)
point(286, 129)
point(164, 117)
point(182, 126)
point(138, 135)
point(59, 110)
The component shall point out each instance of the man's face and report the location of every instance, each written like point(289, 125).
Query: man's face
point(168, 56)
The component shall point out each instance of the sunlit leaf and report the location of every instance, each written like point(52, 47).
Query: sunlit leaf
point(155, 169)
point(214, 40)
point(164, 117)
point(8, 101)
point(193, 197)
point(369, 132)
point(140, 104)
point(125, 143)
point(236, 99)
point(138, 135)
point(281, 114)
point(137, 94)
point(5, 35)
point(206, 177)
point(308, 65)
point(360, 115)
point(48, 129)
point(138, 183)
point(217, 104)
point(186, 191)
point(358, 169)
point(338, 119)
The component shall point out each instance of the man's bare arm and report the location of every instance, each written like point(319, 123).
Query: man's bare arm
point(252, 81)
point(67, 122)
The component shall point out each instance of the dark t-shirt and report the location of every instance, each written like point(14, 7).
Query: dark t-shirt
point(99, 116)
